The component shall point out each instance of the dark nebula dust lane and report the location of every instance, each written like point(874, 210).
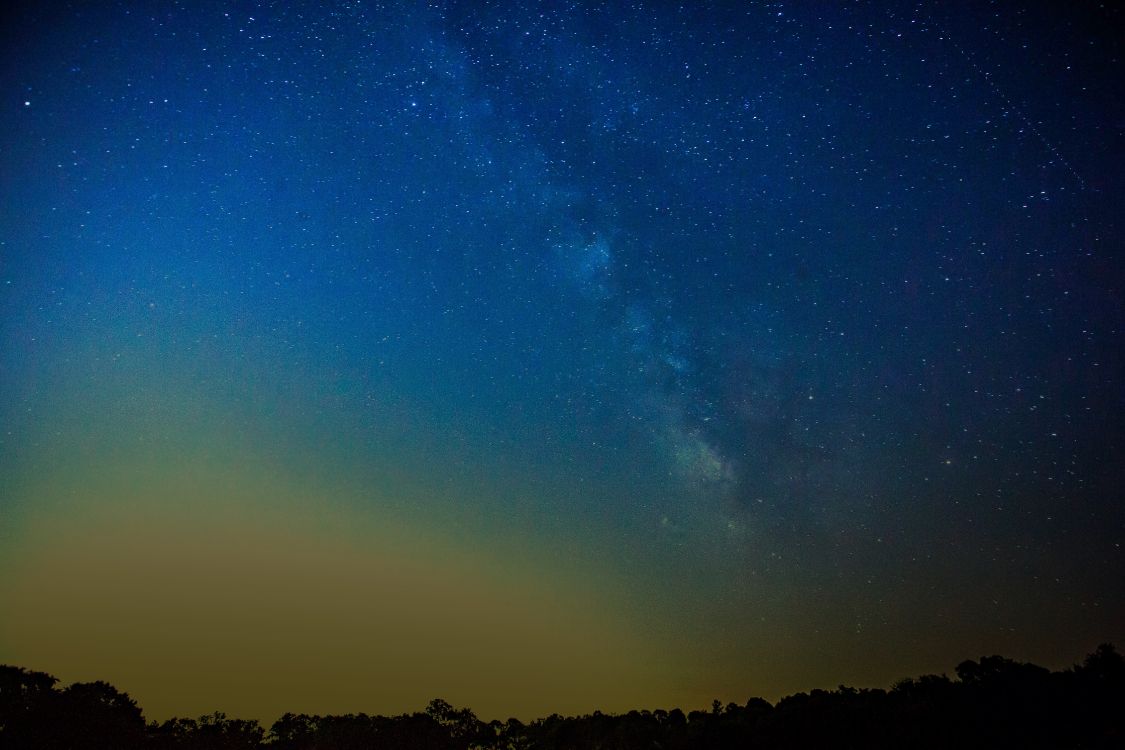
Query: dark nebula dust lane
point(556, 357)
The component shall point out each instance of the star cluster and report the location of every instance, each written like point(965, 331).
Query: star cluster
point(781, 341)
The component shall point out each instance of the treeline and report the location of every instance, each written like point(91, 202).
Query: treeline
point(993, 703)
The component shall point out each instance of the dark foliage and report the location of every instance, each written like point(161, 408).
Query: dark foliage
point(993, 703)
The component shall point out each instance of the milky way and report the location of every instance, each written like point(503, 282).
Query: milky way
point(629, 356)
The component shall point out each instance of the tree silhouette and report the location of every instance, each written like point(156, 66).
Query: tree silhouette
point(84, 715)
point(993, 703)
point(211, 732)
point(25, 705)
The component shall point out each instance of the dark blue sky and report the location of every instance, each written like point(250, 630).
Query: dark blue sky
point(792, 330)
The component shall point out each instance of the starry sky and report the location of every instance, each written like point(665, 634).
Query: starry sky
point(556, 356)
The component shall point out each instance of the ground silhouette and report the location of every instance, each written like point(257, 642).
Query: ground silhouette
point(992, 703)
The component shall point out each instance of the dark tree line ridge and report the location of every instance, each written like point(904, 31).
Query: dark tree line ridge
point(992, 703)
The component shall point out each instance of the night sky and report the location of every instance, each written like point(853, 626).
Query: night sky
point(556, 356)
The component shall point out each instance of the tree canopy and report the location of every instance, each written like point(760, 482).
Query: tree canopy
point(994, 702)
